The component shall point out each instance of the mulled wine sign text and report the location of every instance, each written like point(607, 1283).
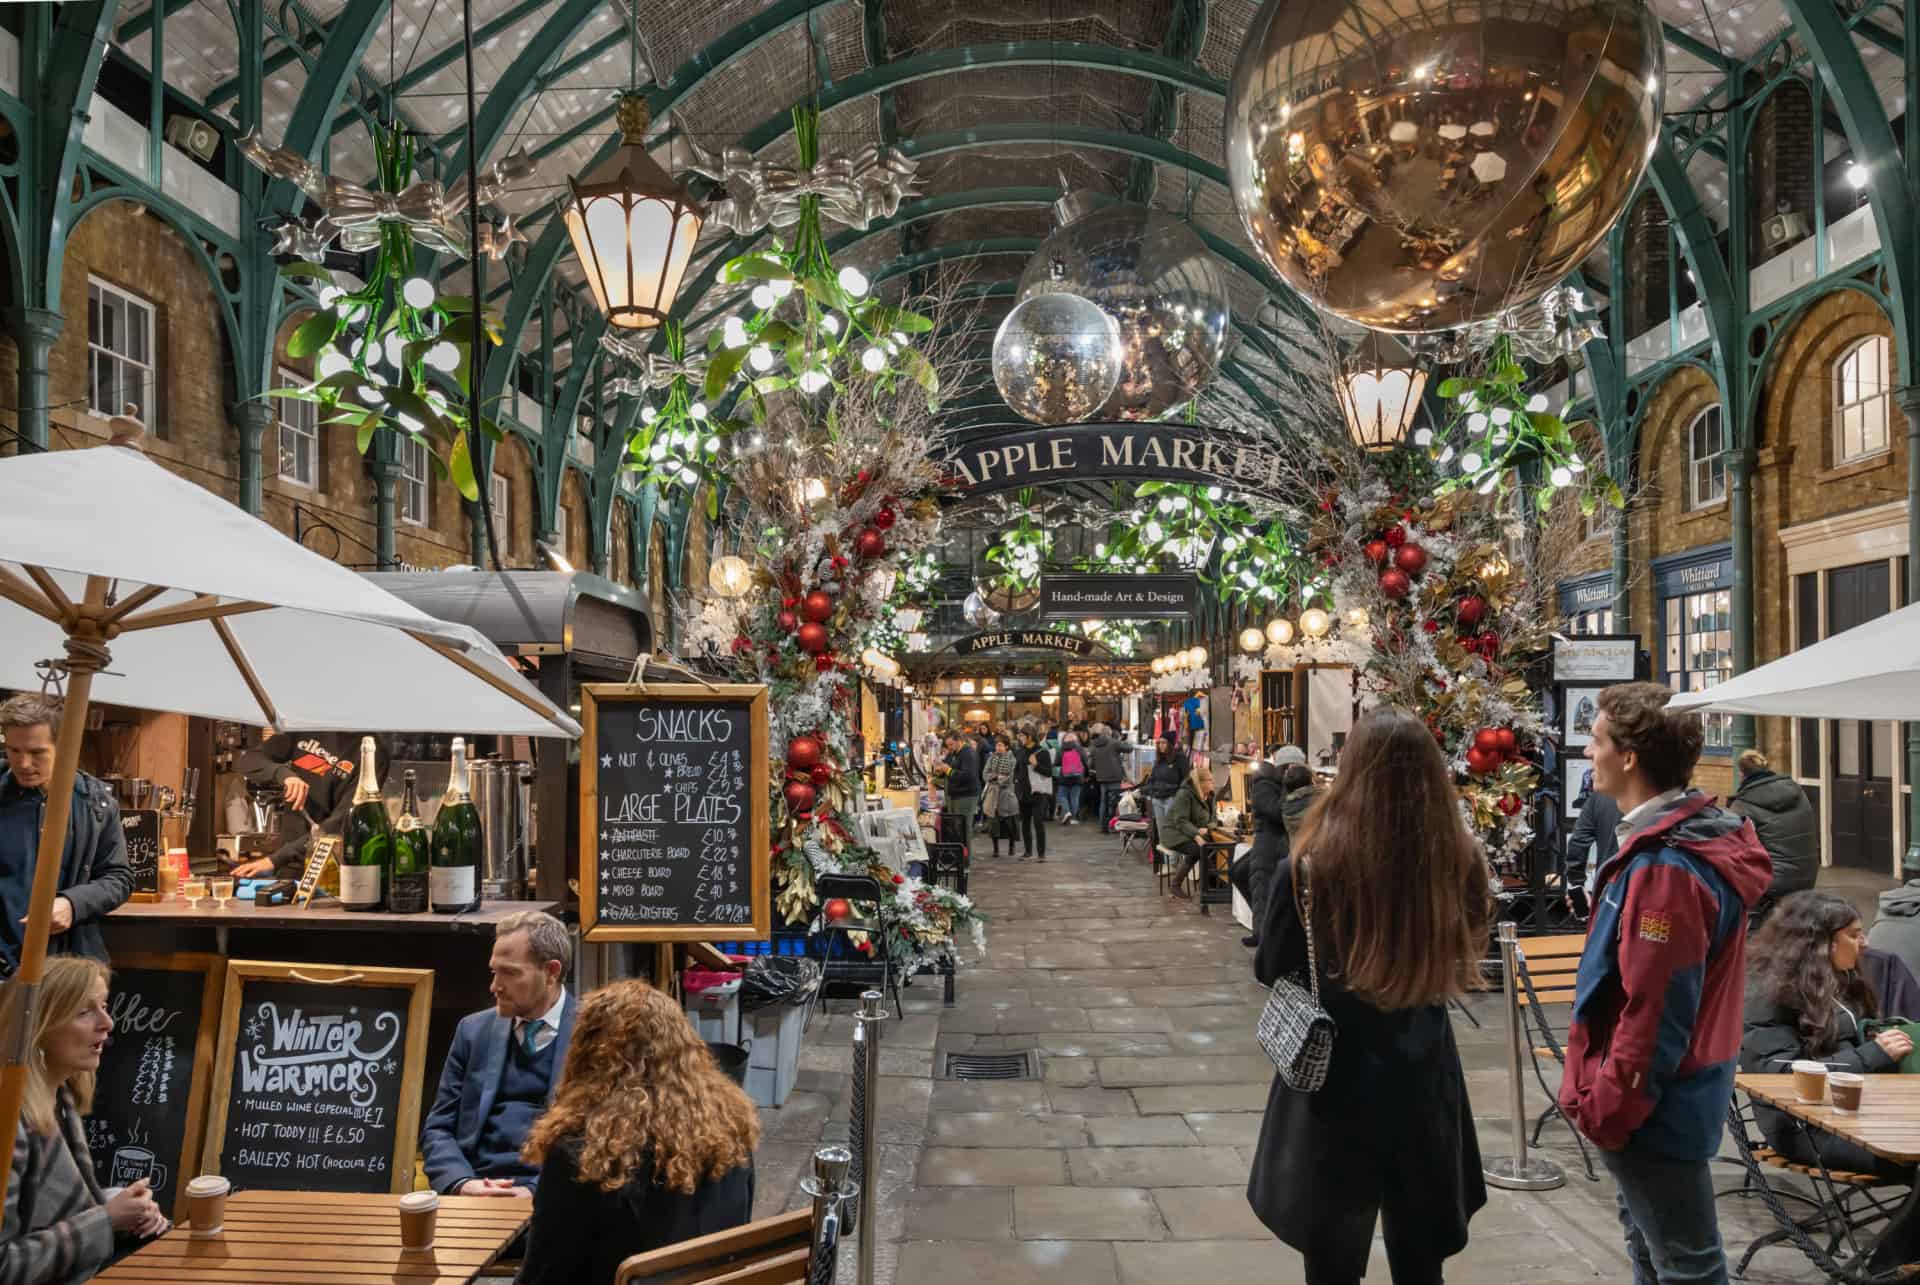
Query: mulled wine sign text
point(674, 813)
point(320, 1070)
point(1161, 452)
point(150, 1095)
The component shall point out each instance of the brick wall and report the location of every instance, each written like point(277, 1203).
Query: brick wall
point(573, 494)
point(656, 585)
point(1648, 260)
point(620, 543)
point(1780, 163)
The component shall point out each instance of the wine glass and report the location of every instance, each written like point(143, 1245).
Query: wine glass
point(194, 890)
point(222, 886)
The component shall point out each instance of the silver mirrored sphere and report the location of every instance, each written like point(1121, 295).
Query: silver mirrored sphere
point(1416, 168)
point(1004, 599)
point(1056, 358)
point(978, 613)
point(1152, 275)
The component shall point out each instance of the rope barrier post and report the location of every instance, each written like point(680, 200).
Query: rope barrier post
point(830, 1189)
point(866, 1118)
point(1518, 1172)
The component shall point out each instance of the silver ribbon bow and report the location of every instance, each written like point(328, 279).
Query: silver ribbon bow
point(854, 190)
point(657, 370)
point(1551, 327)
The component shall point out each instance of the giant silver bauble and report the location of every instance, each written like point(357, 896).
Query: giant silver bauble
point(978, 613)
point(1154, 277)
point(1363, 136)
point(1056, 358)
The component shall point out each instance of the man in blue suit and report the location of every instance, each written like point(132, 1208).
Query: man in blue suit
point(501, 1071)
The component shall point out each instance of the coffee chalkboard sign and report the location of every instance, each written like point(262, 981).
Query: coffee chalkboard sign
point(318, 1083)
point(673, 811)
point(142, 828)
point(150, 1095)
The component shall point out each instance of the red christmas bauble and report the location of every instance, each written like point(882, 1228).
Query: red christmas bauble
point(787, 622)
point(1479, 761)
point(800, 796)
point(820, 774)
point(1487, 739)
point(816, 606)
point(1510, 804)
point(1395, 535)
point(1411, 558)
point(1508, 741)
point(884, 519)
point(1489, 645)
point(803, 752)
point(836, 909)
point(1376, 551)
point(1394, 583)
point(813, 637)
point(1470, 609)
point(870, 543)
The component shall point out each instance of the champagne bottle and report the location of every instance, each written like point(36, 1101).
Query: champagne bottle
point(455, 877)
point(367, 855)
point(407, 890)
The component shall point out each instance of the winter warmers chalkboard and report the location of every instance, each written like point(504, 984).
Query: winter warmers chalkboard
point(673, 812)
point(318, 1084)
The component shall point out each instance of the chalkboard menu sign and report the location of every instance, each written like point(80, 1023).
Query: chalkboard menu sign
point(150, 1095)
point(318, 1084)
point(142, 828)
point(673, 813)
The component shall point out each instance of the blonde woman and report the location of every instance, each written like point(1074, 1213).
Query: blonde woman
point(59, 1226)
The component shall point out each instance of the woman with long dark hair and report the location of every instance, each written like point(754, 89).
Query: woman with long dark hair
point(647, 1143)
point(1807, 999)
point(1395, 890)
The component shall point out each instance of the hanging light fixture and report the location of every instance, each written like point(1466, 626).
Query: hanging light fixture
point(1279, 631)
point(633, 227)
point(1252, 640)
point(1199, 655)
point(966, 687)
point(1379, 396)
point(1315, 622)
point(729, 576)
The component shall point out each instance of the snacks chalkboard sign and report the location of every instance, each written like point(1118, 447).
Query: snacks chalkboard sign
point(142, 830)
point(673, 812)
point(150, 1094)
point(318, 1083)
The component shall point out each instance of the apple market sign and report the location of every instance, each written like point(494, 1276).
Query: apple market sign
point(1086, 452)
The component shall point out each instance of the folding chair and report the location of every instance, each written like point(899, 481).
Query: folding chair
point(1549, 967)
point(842, 964)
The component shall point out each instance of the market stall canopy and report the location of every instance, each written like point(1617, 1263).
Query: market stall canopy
point(1871, 671)
point(234, 620)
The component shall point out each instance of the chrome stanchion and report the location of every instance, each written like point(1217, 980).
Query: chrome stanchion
point(829, 1188)
point(866, 1119)
point(1518, 1172)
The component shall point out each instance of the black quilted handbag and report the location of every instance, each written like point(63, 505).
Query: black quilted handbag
point(1294, 1030)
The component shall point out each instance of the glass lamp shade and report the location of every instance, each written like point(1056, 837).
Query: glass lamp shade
point(1252, 640)
point(1379, 403)
point(729, 576)
point(1315, 622)
point(633, 228)
point(1279, 631)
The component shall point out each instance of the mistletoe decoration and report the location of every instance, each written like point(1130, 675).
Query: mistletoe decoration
point(1244, 553)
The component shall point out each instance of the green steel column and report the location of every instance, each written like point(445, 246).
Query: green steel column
point(35, 330)
point(1622, 574)
point(1740, 517)
point(1909, 399)
point(386, 477)
point(252, 420)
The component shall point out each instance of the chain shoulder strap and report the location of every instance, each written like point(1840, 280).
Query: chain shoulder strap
point(1303, 902)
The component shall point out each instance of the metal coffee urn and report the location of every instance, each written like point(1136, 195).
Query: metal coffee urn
point(505, 830)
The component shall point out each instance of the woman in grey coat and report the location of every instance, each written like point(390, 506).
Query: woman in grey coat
point(1000, 804)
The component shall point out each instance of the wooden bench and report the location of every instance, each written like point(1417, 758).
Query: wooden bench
point(772, 1251)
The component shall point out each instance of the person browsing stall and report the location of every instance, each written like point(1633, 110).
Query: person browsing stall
point(94, 875)
point(503, 1067)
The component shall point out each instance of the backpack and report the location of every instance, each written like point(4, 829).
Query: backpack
point(1070, 764)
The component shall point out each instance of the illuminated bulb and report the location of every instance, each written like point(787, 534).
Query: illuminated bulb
point(330, 295)
point(394, 346)
point(1213, 493)
point(760, 357)
point(830, 323)
point(782, 287)
point(332, 362)
point(1280, 631)
point(1857, 176)
point(854, 281)
point(1561, 476)
point(874, 360)
point(1577, 465)
point(1199, 655)
point(418, 292)
point(763, 297)
point(1314, 622)
point(1470, 462)
point(444, 357)
point(1536, 403)
point(659, 451)
point(1357, 618)
point(1423, 437)
point(1501, 415)
point(1445, 456)
point(734, 333)
point(713, 445)
point(1476, 423)
point(813, 380)
point(698, 410)
point(688, 477)
point(966, 687)
point(648, 414)
point(1486, 487)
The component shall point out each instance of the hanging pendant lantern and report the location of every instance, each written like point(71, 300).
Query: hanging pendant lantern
point(1379, 395)
point(633, 227)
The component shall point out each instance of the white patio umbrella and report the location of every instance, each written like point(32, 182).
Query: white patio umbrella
point(1489, 167)
point(1452, 133)
point(1403, 131)
point(1871, 672)
point(152, 592)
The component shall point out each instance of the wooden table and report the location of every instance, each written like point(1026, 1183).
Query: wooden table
point(327, 1238)
point(1887, 1123)
point(323, 916)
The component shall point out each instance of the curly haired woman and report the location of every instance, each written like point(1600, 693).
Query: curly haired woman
point(646, 1144)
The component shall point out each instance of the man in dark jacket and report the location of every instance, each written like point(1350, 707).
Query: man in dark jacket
point(1592, 843)
point(1897, 928)
point(1784, 819)
point(963, 788)
point(1268, 799)
point(1109, 772)
point(316, 784)
point(94, 876)
point(1658, 1010)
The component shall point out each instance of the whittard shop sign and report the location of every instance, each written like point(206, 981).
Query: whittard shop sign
point(1095, 597)
point(1076, 452)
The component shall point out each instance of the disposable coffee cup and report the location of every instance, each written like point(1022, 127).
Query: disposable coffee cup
point(1846, 1088)
point(1810, 1081)
point(207, 1204)
point(419, 1212)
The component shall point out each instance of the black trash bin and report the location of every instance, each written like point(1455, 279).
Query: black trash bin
point(732, 1059)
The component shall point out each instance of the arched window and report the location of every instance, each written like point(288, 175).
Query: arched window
point(1706, 459)
point(1861, 405)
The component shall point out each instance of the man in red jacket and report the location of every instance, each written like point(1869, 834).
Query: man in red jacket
point(1657, 1013)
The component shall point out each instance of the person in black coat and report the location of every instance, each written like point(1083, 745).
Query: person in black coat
point(647, 1142)
point(1390, 1135)
point(1789, 830)
point(1033, 767)
point(1268, 786)
point(1170, 769)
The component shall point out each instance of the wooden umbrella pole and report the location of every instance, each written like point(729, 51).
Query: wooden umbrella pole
point(86, 655)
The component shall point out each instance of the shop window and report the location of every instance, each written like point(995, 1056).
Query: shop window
point(1697, 652)
point(563, 536)
point(1597, 621)
point(1806, 632)
point(119, 352)
point(413, 482)
point(1862, 400)
point(502, 501)
point(299, 434)
point(1706, 459)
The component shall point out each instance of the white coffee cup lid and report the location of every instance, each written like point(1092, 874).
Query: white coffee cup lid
point(1847, 1077)
point(208, 1184)
point(415, 1201)
point(1811, 1067)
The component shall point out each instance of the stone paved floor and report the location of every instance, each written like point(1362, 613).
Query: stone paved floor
point(1126, 1164)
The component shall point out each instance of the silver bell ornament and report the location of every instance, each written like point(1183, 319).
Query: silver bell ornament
point(1154, 277)
point(1414, 169)
point(1056, 358)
